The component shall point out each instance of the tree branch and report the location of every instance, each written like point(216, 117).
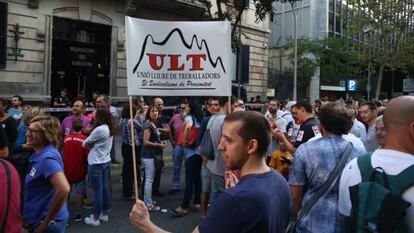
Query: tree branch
point(208, 6)
point(219, 10)
point(236, 22)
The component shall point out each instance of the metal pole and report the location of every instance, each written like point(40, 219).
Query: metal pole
point(369, 70)
point(239, 60)
point(295, 64)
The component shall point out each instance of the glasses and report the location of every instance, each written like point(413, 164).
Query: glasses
point(31, 130)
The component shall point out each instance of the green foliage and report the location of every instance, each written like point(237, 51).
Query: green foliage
point(265, 8)
point(232, 10)
point(335, 60)
point(382, 32)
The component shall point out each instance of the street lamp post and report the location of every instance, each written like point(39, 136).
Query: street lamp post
point(369, 72)
point(295, 64)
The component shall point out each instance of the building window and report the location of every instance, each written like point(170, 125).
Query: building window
point(338, 24)
point(331, 21)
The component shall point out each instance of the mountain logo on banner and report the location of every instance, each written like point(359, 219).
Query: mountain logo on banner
point(156, 60)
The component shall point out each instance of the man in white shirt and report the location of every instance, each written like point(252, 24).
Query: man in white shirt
point(368, 111)
point(358, 128)
point(276, 120)
point(396, 155)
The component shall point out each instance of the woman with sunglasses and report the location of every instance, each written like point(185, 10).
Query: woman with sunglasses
point(46, 187)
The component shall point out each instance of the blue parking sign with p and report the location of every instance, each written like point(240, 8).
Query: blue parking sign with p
point(351, 85)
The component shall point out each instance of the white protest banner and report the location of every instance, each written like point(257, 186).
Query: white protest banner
point(166, 58)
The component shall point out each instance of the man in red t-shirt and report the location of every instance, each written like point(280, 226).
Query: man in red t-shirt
point(9, 199)
point(75, 163)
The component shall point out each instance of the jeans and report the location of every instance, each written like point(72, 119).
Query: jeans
point(217, 187)
point(157, 175)
point(57, 227)
point(149, 179)
point(99, 177)
point(128, 169)
point(178, 155)
point(192, 180)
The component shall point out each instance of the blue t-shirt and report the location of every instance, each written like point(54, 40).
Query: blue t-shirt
point(39, 191)
point(17, 114)
point(258, 203)
point(314, 161)
point(21, 137)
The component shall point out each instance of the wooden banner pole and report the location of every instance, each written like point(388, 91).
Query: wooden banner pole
point(134, 158)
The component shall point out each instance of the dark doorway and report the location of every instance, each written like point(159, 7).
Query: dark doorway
point(81, 54)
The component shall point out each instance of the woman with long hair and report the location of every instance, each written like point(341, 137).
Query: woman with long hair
point(46, 187)
point(152, 146)
point(99, 161)
point(193, 161)
point(127, 166)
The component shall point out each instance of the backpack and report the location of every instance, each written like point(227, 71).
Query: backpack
point(377, 204)
point(206, 148)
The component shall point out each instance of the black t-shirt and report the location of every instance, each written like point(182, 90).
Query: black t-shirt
point(307, 130)
point(259, 203)
point(3, 138)
point(150, 151)
point(10, 129)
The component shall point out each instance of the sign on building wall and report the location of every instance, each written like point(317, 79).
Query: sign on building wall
point(351, 85)
point(178, 58)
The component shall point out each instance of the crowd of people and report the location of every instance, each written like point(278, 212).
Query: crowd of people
point(298, 167)
point(295, 165)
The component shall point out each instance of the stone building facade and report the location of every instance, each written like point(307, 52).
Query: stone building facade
point(80, 45)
